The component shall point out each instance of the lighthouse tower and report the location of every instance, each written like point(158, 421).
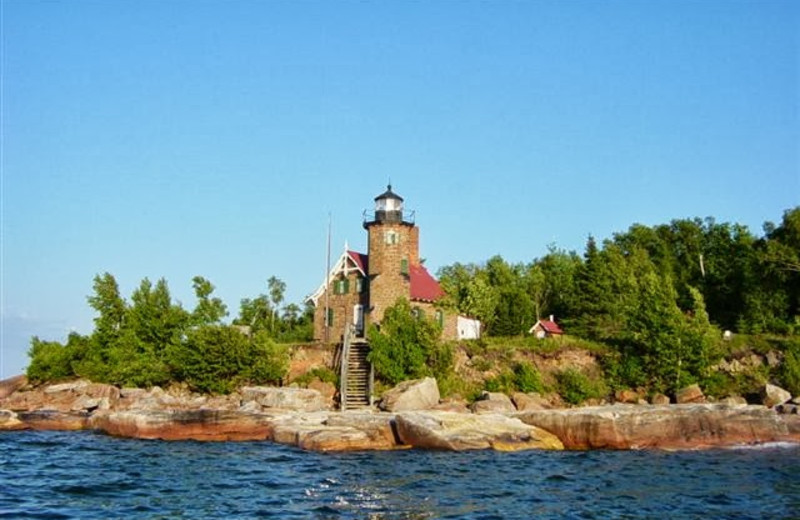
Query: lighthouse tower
point(393, 249)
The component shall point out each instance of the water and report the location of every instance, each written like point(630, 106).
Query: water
point(89, 475)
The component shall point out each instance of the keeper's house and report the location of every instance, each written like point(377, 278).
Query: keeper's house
point(360, 287)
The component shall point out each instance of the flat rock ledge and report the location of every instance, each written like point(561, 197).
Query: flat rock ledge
point(301, 418)
point(674, 427)
point(670, 427)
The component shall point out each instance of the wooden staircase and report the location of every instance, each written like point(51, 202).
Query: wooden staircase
point(356, 376)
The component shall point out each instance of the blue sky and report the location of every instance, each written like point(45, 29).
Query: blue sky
point(174, 138)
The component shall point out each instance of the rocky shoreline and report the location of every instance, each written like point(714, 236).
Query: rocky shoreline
point(304, 418)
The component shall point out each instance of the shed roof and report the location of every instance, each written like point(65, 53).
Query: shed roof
point(550, 326)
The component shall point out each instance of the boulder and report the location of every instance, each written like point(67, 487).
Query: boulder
point(774, 395)
point(89, 404)
point(690, 394)
point(452, 404)
point(327, 390)
point(734, 400)
point(285, 398)
point(351, 431)
point(457, 432)
point(200, 425)
point(251, 407)
point(419, 394)
point(11, 385)
point(493, 402)
point(668, 427)
point(9, 421)
point(659, 400)
point(290, 428)
point(530, 401)
point(65, 397)
point(627, 396)
point(72, 386)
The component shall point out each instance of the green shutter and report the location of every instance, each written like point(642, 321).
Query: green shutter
point(404, 266)
point(330, 317)
point(345, 286)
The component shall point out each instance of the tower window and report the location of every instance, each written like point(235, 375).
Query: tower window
point(391, 237)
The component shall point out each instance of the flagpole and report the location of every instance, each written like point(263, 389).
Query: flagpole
point(327, 284)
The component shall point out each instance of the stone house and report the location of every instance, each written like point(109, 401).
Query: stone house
point(361, 286)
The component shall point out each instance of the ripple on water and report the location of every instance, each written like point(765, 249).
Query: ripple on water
point(86, 475)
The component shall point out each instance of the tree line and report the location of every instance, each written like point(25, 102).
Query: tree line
point(658, 296)
point(152, 340)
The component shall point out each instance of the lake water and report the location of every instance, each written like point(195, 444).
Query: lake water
point(89, 475)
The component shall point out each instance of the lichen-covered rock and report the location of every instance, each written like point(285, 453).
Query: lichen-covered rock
point(419, 394)
point(457, 432)
point(493, 402)
point(774, 395)
point(285, 398)
point(669, 427)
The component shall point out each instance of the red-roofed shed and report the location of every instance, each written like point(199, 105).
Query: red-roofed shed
point(546, 329)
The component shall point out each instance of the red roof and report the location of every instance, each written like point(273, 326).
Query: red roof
point(551, 327)
point(423, 286)
point(360, 259)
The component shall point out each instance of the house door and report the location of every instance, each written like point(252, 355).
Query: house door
point(358, 318)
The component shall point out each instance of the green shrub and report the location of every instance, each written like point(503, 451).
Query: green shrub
point(502, 382)
point(451, 385)
point(481, 364)
point(790, 368)
point(219, 359)
point(406, 347)
point(324, 374)
point(50, 361)
point(576, 387)
point(623, 371)
point(527, 378)
point(523, 377)
point(269, 361)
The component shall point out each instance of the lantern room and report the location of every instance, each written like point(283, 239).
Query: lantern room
point(388, 206)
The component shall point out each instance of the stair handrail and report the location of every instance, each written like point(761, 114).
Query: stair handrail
point(344, 368)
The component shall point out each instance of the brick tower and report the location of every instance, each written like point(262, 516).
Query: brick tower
point(393, 249)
